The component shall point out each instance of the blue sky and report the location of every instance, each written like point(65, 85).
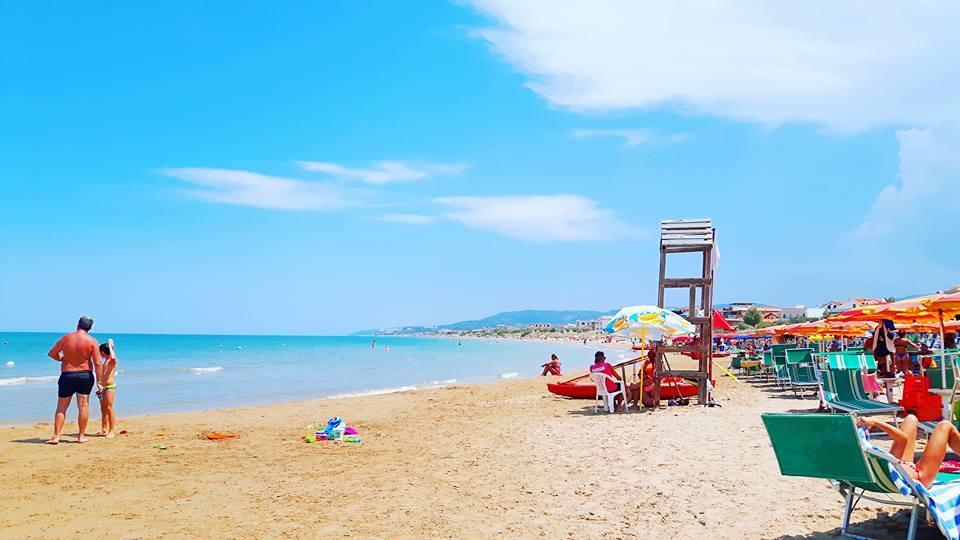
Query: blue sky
point(320, 168)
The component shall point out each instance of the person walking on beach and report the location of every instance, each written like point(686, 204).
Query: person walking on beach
point(79, 357)
point(107, 390)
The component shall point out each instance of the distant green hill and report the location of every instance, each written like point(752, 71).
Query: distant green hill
point(527, 317)
point(507, 318)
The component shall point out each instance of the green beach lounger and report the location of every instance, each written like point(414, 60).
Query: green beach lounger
point(938, 376)
point(843, 391)
point(781, 376)
point(767, 365)
point(800, 369)
point(828, 446)
point(851, 360)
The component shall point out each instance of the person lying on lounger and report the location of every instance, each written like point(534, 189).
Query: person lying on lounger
point(924, 470)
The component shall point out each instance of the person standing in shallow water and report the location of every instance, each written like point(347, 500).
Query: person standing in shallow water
point(79, 357)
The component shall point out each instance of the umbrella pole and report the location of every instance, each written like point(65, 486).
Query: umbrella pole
point(643, 354)
point(943, 355)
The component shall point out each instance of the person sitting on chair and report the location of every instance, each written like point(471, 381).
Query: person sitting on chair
point(600, 365)
point(925, 469)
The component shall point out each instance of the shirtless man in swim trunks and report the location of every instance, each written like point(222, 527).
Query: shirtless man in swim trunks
point(79, 357)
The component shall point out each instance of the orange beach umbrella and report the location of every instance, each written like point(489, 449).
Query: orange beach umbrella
point(903, 311)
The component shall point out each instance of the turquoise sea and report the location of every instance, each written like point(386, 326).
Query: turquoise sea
point(163, 373)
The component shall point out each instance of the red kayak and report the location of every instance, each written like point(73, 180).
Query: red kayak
point(670, 388)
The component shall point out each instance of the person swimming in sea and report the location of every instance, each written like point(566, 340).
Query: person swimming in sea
point(107, 390)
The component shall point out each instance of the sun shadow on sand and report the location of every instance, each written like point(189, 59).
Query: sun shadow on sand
point(66, 438)
point(588, 411)
point(883, 526)
point(35, 440)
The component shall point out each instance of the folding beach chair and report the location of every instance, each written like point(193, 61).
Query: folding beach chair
point(943, 377)
point(800, 369)
point(782, 377)
point(607, 396)
point(828, 446)
point(851, 360)
point(735, 364)
point(843, 391)
point(767, 365)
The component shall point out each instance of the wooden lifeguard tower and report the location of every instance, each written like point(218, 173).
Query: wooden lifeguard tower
point(689, 236)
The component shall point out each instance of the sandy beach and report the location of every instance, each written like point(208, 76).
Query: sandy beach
point(498, 460)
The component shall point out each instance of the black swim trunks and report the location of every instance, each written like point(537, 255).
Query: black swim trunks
point(75, 382)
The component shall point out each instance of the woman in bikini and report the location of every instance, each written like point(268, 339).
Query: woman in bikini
point(901, 355)
point(924, 470)
point(107, 390)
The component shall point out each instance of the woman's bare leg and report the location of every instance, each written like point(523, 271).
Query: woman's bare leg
point(903, 449)
point(104, 416)
point(944, 435)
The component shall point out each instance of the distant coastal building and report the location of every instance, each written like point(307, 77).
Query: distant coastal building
point(734, 312)
point(540, 326)
point(592, 324)
point(839, 306)
point(803, 311)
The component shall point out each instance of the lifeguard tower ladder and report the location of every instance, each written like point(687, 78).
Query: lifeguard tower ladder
point(689, 236)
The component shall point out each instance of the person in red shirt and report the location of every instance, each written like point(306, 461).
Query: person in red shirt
point(600, 365)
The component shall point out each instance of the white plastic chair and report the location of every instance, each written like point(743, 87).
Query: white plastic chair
point(608, 397)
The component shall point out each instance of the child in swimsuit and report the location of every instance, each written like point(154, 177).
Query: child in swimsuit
point(107, 390)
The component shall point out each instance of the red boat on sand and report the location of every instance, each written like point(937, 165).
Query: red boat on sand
point(670, 388)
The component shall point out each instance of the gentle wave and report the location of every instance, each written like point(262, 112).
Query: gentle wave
point(199, 370)
point(15, 381)
point(511, 375)
point(376, 392)
point(443, 382)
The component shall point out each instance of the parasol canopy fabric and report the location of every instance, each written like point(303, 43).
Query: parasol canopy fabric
point(826, 327)
point(648, 322)
point(946, 304)
point(905, 311)
point(719, 323)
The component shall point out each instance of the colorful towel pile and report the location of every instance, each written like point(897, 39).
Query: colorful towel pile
point(336, 429)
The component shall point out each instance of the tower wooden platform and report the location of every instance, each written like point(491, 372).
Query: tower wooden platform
point(689, 236)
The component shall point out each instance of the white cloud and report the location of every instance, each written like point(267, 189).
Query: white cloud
point(927, 195)
point(384, 172)
point(247, 188)
point(410, 219)
point(848, 65)
point(539, 218)
point(632, 137)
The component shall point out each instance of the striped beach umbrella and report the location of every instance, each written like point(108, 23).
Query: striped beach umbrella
point(648, 323)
